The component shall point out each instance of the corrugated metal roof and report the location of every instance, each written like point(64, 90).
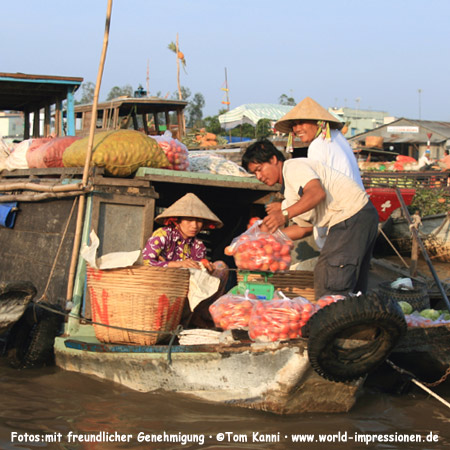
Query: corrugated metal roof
point(252, 112)
point(393, 133)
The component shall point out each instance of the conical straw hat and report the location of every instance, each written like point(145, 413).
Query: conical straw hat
point(307, 109)
point(189, 206)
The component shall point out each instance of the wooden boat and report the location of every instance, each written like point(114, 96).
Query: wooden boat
point(434, 232)
point(14, 298)
point(274, 377)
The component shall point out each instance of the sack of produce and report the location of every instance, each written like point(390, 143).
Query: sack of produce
point(280, 319)
point(231, 312)
point(176, 152)
point(49, 153)
point(328, 299)
point(258, 250)
point(120, 152)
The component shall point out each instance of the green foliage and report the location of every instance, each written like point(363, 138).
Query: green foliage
point(430, 201)
point(263, 129)
point(286, 100)
point(117, 91)
point(212, 125)
point(194, 111)
point(87, 93)
point(244, 130)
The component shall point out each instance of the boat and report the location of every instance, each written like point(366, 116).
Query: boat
point(275, 377)
point(434, 232)
point(14, 299)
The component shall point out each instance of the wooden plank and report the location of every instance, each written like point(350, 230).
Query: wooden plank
point(205, 179)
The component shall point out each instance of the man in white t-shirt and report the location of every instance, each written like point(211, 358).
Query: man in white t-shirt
point(315, 195)
point(315, 126)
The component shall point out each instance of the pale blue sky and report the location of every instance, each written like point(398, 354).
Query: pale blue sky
point(380, 51)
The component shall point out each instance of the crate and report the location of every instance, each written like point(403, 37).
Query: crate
point(293, 283)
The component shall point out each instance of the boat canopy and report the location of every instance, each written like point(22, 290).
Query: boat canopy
point(31, 93)
point(251, 113)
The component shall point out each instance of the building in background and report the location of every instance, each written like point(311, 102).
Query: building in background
point(360, 120)
point(410, 137)
point(11, 125)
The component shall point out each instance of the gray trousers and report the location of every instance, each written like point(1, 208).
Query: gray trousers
point(344, 262)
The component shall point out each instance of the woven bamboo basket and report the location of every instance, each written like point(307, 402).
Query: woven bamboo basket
point(143, 298)
point(293, 283)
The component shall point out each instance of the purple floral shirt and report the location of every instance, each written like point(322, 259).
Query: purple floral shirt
point(167, 244)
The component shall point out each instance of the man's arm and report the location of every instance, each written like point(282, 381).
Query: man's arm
point(313, 194)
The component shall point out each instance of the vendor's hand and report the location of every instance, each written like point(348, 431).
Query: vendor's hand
point(186, 263)
point(274, 220)
point(273, 207)
point(208, 265)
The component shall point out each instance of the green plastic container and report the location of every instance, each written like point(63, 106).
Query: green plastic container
point(262, 290)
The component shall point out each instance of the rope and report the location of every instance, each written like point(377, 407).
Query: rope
point(44, 294)
point(422, 384)
point(90, 321)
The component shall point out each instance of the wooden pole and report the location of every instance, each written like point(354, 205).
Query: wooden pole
point(82, 203)
point(422, 247)
point(180, 97)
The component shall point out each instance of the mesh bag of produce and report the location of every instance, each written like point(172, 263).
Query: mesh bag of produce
point(231, 312)
point(120, 152)
point(49, 154)
point(281, 318)
point(176, 152)
point(258, 250)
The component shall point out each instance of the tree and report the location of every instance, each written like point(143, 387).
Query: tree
point(263, 129)
point(194, 111)
point(285, 100)
point(185, 93)
point(117, 91)
point(87, 93)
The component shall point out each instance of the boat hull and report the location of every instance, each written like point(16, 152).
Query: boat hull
point(269, 377)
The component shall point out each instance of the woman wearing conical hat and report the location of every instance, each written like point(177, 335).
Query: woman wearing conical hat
point(318, 128)
point(315, 126)
point(175, 244)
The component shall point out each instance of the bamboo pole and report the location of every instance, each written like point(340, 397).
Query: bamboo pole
point(82, 203)
point(23, 186)
point(422, 247)
point(35, 197)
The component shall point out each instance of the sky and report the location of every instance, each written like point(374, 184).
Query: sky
point(382, 55)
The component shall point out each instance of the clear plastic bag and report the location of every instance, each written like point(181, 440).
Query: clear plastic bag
point(231, 312)
point(325, 300)
point(280, 319)
point(258, 250)
point(176, 152)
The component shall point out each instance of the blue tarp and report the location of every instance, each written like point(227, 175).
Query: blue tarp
point(8, 214)
point(231, 139)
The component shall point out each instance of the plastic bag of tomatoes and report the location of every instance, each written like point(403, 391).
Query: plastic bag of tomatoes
point(231, 312)
point(176, 152)
point(280, 319)
point(258, 250)
point(328, 299)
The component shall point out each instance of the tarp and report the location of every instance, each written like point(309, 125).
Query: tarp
point(251, 113)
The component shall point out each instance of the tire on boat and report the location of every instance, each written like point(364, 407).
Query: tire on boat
point(351, 337)
point(417, 297)
point(32, 338)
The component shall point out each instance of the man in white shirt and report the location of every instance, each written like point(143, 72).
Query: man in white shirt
point(318, 196)
point(315, 126)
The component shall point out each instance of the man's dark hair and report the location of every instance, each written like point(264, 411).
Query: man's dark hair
point(260, 152)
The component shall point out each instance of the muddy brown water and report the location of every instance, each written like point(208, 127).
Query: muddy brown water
point(52, 402)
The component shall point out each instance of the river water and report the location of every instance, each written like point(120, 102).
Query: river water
point(52, 402)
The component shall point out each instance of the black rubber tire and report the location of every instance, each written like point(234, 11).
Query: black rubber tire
point(333, 328)
point(32, 338)
point(417, 297)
